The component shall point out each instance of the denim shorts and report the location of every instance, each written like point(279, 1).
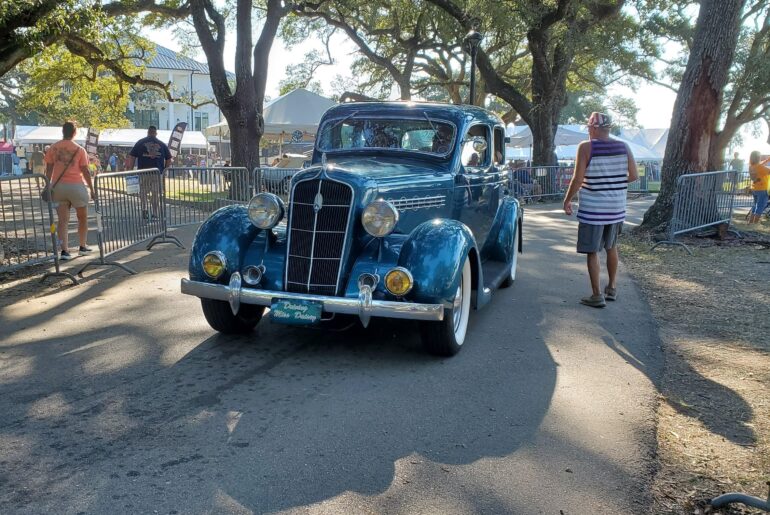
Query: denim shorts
point(760, 202)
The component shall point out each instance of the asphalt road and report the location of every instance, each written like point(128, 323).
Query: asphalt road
point(116, 397)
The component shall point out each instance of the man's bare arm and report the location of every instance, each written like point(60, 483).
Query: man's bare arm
point(131, 162)
point(577, 176)
point(633, 173)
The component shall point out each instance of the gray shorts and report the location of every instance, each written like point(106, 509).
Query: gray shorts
point(594, 238)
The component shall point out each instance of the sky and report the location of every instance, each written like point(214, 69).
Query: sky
point(655, 102)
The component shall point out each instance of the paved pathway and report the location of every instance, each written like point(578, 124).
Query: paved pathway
point(117, 397)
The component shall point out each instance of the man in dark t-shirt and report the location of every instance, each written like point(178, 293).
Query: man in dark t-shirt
point(150, 152)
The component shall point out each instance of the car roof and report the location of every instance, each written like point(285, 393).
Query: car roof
point(460, 114)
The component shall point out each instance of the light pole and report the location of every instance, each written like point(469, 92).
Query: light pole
point(471, 44)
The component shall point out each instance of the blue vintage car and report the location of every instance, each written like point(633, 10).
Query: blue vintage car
point(405, 212)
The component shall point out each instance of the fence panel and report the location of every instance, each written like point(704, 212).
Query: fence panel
point(275, 180)
point(536, 182)
point(129, 209)
point(743, 197)
point(27, 226)
point(702, 200)
point(192, 194)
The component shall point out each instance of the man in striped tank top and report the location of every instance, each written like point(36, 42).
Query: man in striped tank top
point(603, 169)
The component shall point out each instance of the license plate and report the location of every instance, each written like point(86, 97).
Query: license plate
point(297, 312)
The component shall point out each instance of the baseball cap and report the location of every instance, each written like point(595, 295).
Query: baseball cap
point(599, 120)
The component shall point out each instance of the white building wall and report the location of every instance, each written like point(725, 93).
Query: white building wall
point(170, 113)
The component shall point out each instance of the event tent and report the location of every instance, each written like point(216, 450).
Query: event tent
point(565, 135)
point(298, 110)
point(48, 135)
point(127, 138)
point(569, 136)
point(111, 137)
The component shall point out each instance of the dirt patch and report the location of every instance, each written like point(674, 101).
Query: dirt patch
point(713, 309)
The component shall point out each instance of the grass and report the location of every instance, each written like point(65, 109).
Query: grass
point(714, 412)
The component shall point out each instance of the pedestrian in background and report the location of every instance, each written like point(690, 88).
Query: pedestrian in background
point(113, 162)
point(603, 169)
point(150, 152)
point(67, 170)
point(758, 173)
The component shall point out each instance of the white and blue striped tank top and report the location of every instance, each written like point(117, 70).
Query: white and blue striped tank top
point(603, 193)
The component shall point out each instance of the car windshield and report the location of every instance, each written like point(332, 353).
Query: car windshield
point(422, 135)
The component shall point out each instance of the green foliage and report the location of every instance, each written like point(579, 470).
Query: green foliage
point(580, 105)
point(60, 86)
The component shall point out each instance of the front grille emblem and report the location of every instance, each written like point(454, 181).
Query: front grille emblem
point(318, 202)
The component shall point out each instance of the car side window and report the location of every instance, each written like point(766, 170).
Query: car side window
point(475, 150)
point(499, 145)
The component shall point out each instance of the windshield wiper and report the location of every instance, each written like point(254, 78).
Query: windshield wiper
point(435, 131)
point(331, 128)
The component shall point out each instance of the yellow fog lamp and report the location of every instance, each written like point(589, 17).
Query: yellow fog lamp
point(214, 264)
point(399, 281)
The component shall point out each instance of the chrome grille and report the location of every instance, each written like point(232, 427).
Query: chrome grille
point(317, 236)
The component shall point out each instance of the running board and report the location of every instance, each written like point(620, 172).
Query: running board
point(495, 273)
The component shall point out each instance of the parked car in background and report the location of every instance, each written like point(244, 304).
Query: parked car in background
point(405, 212)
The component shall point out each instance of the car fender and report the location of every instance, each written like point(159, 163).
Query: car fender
point(434, 253)
point(227, 230)
point(499, 244)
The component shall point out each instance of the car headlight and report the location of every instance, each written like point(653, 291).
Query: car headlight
point(214, 264)
point(399, 281)
point(379, 218)
point(265, 210)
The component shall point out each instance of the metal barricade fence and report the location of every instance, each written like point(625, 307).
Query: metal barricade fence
point(536, 182)
point(702, 200)
point(192, 194)
point(743, 197)
point(27, 226)
point(130, 208)
point(275, 180)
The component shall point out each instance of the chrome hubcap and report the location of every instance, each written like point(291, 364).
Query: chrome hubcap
point(457, 306)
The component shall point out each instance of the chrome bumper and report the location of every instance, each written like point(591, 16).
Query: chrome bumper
point(363, 306)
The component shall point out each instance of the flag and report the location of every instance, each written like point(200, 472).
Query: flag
point(175, 142)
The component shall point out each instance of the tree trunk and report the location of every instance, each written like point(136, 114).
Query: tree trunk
point(245, 134)
point(404, 87)
point(543, 136)
point(698, 103)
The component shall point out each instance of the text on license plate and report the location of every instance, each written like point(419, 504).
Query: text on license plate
point(296, 311)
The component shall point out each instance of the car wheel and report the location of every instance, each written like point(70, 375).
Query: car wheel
point(220, 317)
point(446, 338)
point(514, 262)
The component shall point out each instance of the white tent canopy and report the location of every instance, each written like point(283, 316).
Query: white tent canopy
point(565, 135)
point(569, 136)
point(127, 138)
point(48, 135)
point(111, 137)
point(298, 110)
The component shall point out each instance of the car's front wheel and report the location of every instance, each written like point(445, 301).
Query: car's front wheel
point(446, 338)
point(220, 317)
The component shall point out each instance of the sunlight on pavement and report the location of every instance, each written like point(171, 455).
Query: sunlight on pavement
point(51, 406)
